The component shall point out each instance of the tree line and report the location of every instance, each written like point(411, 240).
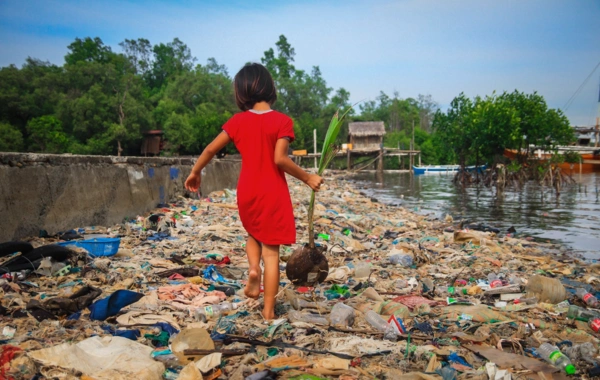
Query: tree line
point(101, 101)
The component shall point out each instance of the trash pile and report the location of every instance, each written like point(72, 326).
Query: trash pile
point(407, 296)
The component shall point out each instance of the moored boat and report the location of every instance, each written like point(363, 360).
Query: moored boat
point(590, 158)
point(441, 169)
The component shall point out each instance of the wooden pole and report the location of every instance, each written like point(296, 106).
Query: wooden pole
point(419, 159)
point(597, 134)
point(348, 159)
point(412, 146)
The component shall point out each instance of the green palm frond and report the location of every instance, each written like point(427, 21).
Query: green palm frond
point(327, 154)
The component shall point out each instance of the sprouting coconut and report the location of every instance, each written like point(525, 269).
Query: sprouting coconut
point(308, 266)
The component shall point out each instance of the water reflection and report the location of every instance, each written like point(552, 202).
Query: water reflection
point(571, 217)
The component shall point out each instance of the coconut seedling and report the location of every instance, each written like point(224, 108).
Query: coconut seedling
point(308, 266)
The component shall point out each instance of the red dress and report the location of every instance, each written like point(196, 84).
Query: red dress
point(263, 196)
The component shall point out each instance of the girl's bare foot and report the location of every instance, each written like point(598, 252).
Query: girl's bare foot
point(268, 314)
point(252, 289)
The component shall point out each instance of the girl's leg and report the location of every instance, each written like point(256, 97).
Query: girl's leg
point(270, 256)
point(253, 250)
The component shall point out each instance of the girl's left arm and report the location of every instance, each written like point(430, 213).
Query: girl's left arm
point(193, 181)
point(283, 162)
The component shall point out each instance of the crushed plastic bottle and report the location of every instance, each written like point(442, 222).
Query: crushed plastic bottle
point(342, 315)
point(552, 355)
point(444, 291)
point(214, 311)
point(587, 297)
point(594, 324)
point(403, 260)
point(514, 280)
point(494, 281)
point(297, 316)
point(584, 351)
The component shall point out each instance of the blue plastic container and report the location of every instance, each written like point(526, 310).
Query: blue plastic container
point(97, 246)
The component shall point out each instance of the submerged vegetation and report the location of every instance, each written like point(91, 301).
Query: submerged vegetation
point(478, 131)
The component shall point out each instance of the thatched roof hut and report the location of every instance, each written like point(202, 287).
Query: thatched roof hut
point(366, 128)
point(366, 135)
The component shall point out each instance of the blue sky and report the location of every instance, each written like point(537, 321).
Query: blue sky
point(411, 47)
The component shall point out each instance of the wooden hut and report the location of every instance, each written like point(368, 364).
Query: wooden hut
point(366, 138)
point(366, 135)
point(153, 143)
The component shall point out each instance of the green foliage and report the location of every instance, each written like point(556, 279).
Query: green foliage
point(88, 50)
point(303, 96)
point(12, 139)
point(478, 130)
point(102, 101)
point(47, 136)
point(514, 166)
point(572, 157)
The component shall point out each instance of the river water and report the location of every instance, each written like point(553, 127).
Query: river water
point(572, 218)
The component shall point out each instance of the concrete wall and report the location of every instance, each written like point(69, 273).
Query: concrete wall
point(60, 192)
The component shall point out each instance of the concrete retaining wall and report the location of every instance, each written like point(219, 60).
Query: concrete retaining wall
point(60, 192)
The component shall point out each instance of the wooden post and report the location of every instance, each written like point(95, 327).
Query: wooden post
point(348, 161)
point(315, 142)
point(419, 158)
point(412, 146)
point(380, 161)
point(597, 134)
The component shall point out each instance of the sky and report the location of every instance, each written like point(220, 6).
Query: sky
point(408, 47)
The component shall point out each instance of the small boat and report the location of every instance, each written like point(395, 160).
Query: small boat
point(590, 158)
point(441, 169)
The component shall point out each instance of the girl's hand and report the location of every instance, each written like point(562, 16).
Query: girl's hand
point(192, 183)
point(314, 182)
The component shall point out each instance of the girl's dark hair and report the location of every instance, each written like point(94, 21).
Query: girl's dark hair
point(253, 84)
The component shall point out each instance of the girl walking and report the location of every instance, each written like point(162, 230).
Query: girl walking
point(262, 136)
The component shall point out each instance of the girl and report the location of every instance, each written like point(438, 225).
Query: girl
point(262, 136)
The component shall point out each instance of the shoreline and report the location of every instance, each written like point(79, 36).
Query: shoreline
point(155, 266)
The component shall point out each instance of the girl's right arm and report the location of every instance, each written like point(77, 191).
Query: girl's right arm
point(283, 162)
point(192, 183)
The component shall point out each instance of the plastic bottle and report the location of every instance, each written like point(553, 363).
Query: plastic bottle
point(362, 270)
point(403, 260)
point(341, 315)
point(324, 237)
point(594, 324)
point(514, 280)
point(380, 324)
point(214, 311)
point(580, 313)
point(376, 321)
point(494, 281)
point(587, 297)
point(552, 355)
point(444, 291)
point(296, 316)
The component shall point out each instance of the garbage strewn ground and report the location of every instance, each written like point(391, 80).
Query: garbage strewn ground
point(407, 297)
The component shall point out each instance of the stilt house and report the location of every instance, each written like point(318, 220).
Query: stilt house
point(366, 135)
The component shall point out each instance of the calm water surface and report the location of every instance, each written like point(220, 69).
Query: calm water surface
point(572, 218)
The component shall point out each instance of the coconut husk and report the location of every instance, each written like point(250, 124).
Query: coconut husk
point(307, 266)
